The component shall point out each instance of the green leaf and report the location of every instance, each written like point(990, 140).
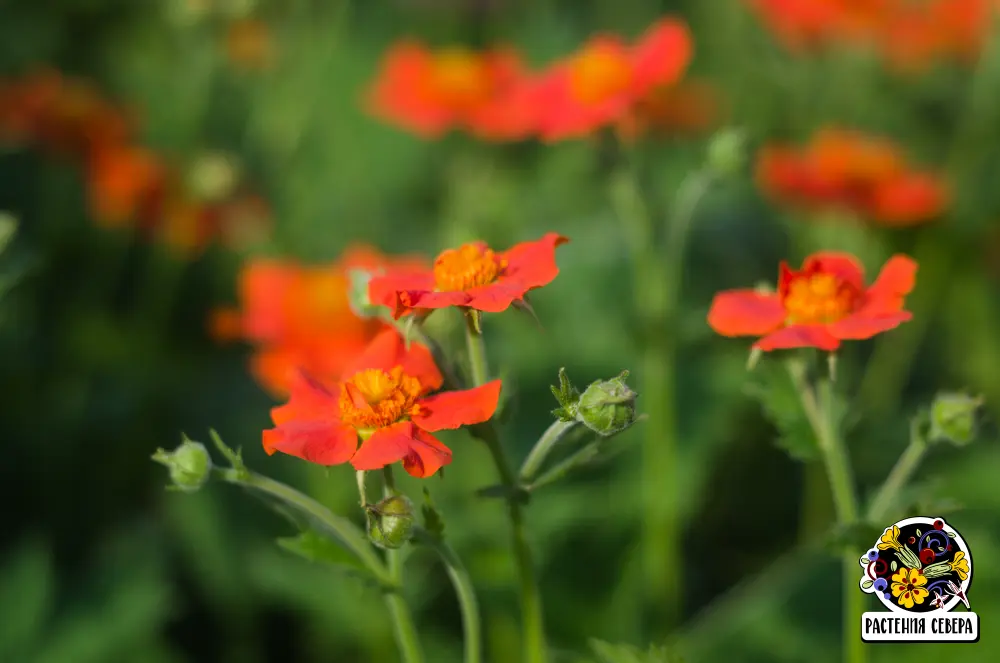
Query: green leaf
point(867, 584)
point(893, 565)
point(315, 547)
point(433, 522)
point(772, 387)
point(611, 653)
point(951, 535)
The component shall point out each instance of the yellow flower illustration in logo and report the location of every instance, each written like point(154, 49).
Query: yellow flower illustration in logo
point(890, 539)
point(908, 587)
point(960, 565)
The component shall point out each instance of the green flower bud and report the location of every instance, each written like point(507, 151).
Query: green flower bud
point(607, 407)
point(390, 524)
point(953, 418)
point(189, 464)
point(357, 294)
point(727, 152)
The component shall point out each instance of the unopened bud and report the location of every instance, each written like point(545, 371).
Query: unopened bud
point(954, 418)
point(189, 464)
point(727, 152)
point(390, 524)
point(607, 407)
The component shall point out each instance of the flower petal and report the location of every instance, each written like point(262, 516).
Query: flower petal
point(399, 97)
point(859, 327)
point(385, 447)
point(409, 300)
point(533, 264)
point(661, 55)
point(896, 280)
point(308, 400)
point(321, 442)
point(427, 455)
point(799, 336)
point(388, 350)
point(384, 290)
point(745, 313)
point(843, 265)
point(453, 409)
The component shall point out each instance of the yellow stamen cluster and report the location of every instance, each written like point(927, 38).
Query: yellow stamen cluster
point(374, 399)
point(466, 267)
point(819, 299)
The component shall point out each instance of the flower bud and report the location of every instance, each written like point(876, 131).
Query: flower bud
point(607, 407)
point(727, 152)
point(189, 464)
point(357, 294)
point(391, 523)
point(953, 418)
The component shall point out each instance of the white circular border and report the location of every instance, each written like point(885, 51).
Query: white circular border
point(923, 520)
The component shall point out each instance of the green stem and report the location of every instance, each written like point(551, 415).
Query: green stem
point(463, 591)
point(533, 626)
point(406, 633)
point(657, 287)
point(900, 474)
point(536, 457)
point(581, 456)
point(341, 529)
point(819, 411)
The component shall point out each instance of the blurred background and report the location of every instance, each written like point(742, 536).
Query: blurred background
point(250, 117)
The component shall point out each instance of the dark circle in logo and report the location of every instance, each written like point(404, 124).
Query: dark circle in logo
point(918, 565)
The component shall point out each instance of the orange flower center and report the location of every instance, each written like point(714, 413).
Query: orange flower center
point(460, 78)
point(819, 299)
point(466, 267)
point(598, 72)
point(374, 399)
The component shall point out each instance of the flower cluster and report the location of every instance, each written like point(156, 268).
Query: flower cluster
point(910, 34)
point(127, 184)
point(849, 170)
point(300, 318)
point(634, 87)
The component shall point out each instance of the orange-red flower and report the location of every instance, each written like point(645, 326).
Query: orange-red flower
point(431, 92)
point(846, 169)
point(603, 81)
point(124, 182)
point(385, 399)
point(824, 303)
point(471, 276)
point(911, 34)
point(300, 317)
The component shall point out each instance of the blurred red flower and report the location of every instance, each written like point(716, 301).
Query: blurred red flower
point(384, 398)
point(911, 34)
point(471, 276)
point(300, 318)
point(601, 83)
point(124, 183)
point(864, 174)
point(430, 92)
point(819, 306)
point(689, 107)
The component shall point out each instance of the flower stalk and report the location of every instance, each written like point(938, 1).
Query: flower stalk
point(533, 625)
point(406, 632)
point(817, 404)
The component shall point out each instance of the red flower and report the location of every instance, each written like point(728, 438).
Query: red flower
point(472, 276)
point(821, 305)
point(847, 169)
point(385, 400)
point(300, 317)
point(430, 92)
point(602, 82)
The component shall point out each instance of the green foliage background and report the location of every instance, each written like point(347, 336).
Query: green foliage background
point(105, 354)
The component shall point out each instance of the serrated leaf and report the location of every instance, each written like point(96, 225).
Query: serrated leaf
point(774, 390)
point(314, 547)
point(433, 522)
